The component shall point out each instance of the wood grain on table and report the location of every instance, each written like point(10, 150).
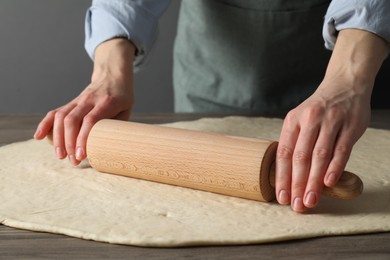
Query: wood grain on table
point(22, 244)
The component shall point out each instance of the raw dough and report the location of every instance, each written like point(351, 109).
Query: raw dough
point(39, 192)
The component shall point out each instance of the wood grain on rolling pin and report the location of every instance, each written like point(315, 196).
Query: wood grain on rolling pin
point(217, 163)
point(234, 166)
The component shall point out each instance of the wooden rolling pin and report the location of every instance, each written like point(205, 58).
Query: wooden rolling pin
point(234, 166)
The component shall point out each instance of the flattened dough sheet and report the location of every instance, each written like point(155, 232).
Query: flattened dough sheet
point(39, 192)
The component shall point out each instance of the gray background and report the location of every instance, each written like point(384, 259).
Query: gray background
point(43, 64)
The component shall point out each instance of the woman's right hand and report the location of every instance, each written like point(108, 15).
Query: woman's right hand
point(109, 95)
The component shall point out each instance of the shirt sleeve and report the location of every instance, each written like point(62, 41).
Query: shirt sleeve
point(136, 20)
point(369, 15)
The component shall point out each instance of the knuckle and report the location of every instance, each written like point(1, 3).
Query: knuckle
point(108, 100)
point(290, 119)
point(284, 152)
point(59, 115)
point(313, 114)
point(298, 187)
point(280, 180)
point(51, 113)
point(87, 97)
point(342, 149)
point(322, 153)
point(334, 113)
point(90, 119)
point(69, 148)
point(69, 144)
point(301, 157)
point(70, 119)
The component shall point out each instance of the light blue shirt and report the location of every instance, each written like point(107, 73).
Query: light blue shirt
point(368, 15)
point(137, 20)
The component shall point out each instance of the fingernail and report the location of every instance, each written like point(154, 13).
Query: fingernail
point(72, 159)
point(284, 197)
point(311, 199)
point(37, 133)
point(60, 152)
point(331, 180)
point(79, 153)
point(298, 205)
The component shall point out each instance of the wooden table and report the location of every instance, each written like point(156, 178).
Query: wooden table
point(21, 244)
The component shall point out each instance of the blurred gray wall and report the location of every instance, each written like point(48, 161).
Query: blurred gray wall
point(43, 64)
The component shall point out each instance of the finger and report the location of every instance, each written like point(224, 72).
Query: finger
point(341, 153)
point(301, 166)
point(283, 167)
point(72, 123)
point(58, 130)
point(85, 129)
point(45, 126)
point(96, 114)
point(321, 157)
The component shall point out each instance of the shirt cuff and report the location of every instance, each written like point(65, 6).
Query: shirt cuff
point(368, 15)
point(106, 20)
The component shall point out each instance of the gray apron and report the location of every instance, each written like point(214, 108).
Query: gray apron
point(248, 56)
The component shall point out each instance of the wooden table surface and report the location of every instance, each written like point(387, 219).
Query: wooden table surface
point(22, 244)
